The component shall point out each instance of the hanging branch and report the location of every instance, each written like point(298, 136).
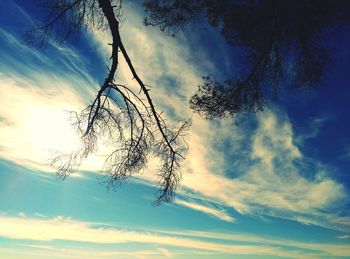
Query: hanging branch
point(129, 119)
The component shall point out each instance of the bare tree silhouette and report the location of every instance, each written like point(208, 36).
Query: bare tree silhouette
point(127, 117)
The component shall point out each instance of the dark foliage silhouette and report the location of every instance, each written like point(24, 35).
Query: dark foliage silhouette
point(281, 42)
point(128, 118)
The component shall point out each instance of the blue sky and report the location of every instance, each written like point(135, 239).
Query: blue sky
point(275, 185)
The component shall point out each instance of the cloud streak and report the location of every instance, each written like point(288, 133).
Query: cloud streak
point(220, 214)
point(60, 228)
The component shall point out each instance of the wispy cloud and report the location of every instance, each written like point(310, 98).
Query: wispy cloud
point(326, 248)
point(269, 180)
point(343, 237)
point(35, 121)
point(38, 89)
point(60, 228)
point(46, 251)
point(346, 153)
point(220, 214)
point(312, 130)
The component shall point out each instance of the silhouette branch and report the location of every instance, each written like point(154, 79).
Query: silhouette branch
point(128, 119)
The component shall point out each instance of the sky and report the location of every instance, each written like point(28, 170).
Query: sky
point(272, 185)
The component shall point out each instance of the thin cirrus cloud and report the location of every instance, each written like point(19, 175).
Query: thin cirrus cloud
point(220, 214)
point(44, 231)
point(343, 237)
point(44, 251)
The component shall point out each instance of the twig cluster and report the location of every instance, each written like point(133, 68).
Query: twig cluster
point(128, 119)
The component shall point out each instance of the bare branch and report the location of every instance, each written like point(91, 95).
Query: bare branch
point(128, 119)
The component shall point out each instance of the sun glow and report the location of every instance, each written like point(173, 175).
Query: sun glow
point(34, 122)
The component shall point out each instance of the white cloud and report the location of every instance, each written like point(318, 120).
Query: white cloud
point(165, 252)
point(37, 92)
point(220, 214)
point(326, 248)
point(270, 182)
point(69, 230)
point(280, 181)
point(22, 215)
point(45, 251)
point(343, 237)
point(169, 242)
point(34, 121)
